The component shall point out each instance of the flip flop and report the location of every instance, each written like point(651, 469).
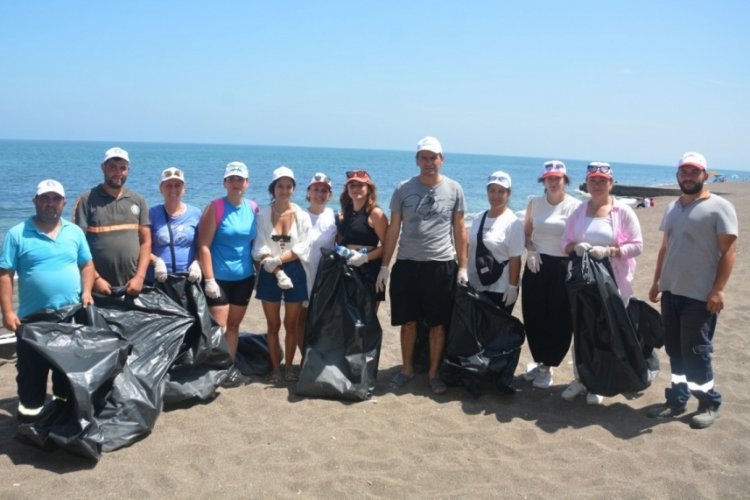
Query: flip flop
point(437, 386)
point(274, 377)
point(401, 379)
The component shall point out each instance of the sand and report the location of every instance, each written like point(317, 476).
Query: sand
point(263, 441)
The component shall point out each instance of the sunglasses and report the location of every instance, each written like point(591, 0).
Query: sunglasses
point(498, 178)
point(357, 173)
point(172, 172)
point(322, 178)
point(600, 167)
point(281, 237)
point(554, 166)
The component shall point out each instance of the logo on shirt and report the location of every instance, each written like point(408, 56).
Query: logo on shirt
point(135, 209)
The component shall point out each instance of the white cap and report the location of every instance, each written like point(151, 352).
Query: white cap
point(172, 173)
point(321, 178)
point(50, 186)
point(500, 178)
point(430, 143)
point(116, 153)
point(236, 168)
point(282, 171)
point(694, 159)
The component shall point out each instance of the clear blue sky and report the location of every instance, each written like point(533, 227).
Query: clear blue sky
point(634, 81)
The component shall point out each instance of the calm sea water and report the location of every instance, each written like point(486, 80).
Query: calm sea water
point(76, 164)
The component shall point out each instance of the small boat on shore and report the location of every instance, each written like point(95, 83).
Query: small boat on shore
point(639, 191)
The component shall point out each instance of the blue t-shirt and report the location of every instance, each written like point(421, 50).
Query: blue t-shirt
point(48, 270)
point(231, 249)
point(184, 232)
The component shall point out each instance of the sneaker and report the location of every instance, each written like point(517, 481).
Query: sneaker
point(543, 379)
point(594, 399)
point(574, 389)
point(704, 418)
point(665, 411)
point(234, 378)
point(531, 371)
point(284, 282)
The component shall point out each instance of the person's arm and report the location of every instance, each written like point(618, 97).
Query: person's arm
point(728, 247)
point(391, 238)
point(135, 284)
point(10, 319)
point(654, 295)
point(206, 232)
point(87, 283)
point(528, 229)
point(380, 226)
point(460, 239)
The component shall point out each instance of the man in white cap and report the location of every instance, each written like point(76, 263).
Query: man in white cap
point(53, 263)
point(694, 263)
point(116, 223)
point(427, 220)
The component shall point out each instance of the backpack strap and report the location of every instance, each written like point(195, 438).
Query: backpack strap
point(218, 210)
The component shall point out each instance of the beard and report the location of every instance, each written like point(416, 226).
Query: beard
point(115, 184)
point(687, 188)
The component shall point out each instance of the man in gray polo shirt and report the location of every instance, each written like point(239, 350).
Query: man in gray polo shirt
point(115, 220)
point(694, 263)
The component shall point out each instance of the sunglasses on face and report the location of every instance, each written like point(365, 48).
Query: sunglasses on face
point(357, 173)
point(554, 166)
point(281, 237)
point(602, 168)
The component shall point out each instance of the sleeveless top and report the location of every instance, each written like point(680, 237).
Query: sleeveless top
point(233, 242)
point(355, 230)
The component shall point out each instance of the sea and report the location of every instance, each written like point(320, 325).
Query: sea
point(76, 164)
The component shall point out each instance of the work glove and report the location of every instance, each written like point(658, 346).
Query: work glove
point(211, 287)
point(581, 248)
point(194, 272)
point(357, 259)
point(284, 282)
point(462, 278)
point(271, 263)
point(511, 295)
point(533, 261)
point(382, 279)
point(600, 253)
point(160, 270)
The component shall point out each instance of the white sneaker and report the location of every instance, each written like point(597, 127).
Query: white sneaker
point(543, 378)
point(531, 370)
point(594, 399)
point(574, 389)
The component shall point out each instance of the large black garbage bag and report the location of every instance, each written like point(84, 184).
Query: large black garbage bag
point(343, 335)
point(608, 355)
point(90, 357)
point(252, 355)
point(203, 357)
point(155, 326)
point(647, 322)
point(483, 344)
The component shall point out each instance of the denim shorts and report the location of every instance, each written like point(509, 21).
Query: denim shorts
point(268, 288)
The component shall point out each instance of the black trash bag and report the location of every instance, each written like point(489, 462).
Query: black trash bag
point(203, 359)
point(647, 322)
point(608, 355)
point(252, 355)
point(90, 357)
point(483, 344)
point(343, 334)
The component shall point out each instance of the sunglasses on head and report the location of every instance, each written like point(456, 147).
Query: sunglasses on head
point(357, 173)
point(321, 178)
point(552, 166)
point(602, 168)
point(498, 178)
point(172, 172)
point(281, 237)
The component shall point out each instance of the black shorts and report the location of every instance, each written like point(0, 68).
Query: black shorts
point(236, 293)
point(422, 291)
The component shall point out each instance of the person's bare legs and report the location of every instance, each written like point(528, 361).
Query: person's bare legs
point(272, 311)
point(220, 315)
point(235, 316)
point(437, 344)
point(291, 316)
point(301, 325)
point(408, 341)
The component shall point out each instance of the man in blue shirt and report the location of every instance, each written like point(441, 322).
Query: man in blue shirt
point(54, 267)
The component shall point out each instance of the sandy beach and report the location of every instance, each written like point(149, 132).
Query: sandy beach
point(263, 441)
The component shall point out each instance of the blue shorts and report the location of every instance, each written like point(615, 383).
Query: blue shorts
point(268, 288)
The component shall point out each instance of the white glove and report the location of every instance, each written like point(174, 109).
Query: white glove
point(511, 295)
point(600, 253)
point(533, 261)
point(211, 287)
point(160, 270)
point(357, 259)
point(194, 272)
point(271, 263)
point(284, 282)
point(382, 279)
point(581, 248)
point(462, 278)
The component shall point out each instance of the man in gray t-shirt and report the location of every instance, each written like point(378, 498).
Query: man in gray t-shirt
point(427, 220)
point(694, 263)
